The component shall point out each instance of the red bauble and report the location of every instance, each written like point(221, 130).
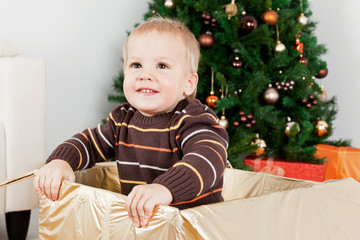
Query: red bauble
point(211, 100)
point(248, 23)
point(270, 17)
point(303, 60)
point(322, 73)
point(206, 40)
point(237, 63)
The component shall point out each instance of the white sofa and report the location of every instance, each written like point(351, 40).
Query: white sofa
point(22, 129)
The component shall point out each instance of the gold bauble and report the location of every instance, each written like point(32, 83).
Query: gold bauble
point(279, 47)
point(169, 4)
point(321, 127)
point(322, 96)
point(231, 9)
point(261, 144)
point(302, 19)
point(289, 125)
point(223, 122)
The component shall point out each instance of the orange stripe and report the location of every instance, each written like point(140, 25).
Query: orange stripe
point(147, 147)
point(222, 161)
point(217, 126)
point(83, 134)
point(177, 137)
point(197, 198)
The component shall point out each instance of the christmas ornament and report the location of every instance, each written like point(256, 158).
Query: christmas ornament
point(237, 63)
point(299, 46)
point(302, 19)
point(311, 101)
point(169, 4)
point(321, 127)
point(303, 60)
point(248, 23)
point(288, 85)
point(270, 95)
point(212, 99)
point(208, 19)
point(206, 40)
point(246, 119)
point(279, 47)
point(261, 144)
point(322, 73)
point(231, 9)
point(323, 96)
point(223, 122)
point(270, 17)
point(289, 125)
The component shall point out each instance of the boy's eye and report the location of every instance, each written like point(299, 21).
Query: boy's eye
point(135, 65)
point(162, 66)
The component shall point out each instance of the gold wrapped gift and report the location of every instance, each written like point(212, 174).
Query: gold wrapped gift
point(257, 206)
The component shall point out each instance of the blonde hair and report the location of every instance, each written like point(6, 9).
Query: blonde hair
point(174, 26)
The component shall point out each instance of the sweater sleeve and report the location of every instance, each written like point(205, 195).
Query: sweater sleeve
point(84, 149)
point(203, 143)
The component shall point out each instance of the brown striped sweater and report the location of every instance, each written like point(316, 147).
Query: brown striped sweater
point(184, 150)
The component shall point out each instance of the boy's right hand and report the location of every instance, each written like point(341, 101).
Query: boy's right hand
point(48, 179)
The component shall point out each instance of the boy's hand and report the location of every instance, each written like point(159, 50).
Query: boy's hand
point(48, 179)
point(142, 199)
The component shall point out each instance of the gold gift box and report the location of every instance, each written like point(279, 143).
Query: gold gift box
point(256, 206)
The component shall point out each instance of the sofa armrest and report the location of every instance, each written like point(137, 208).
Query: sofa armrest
point(2, 166)
point(22, 113)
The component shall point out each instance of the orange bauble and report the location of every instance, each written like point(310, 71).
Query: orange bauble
point(211, 100)
point(270, 17)
point(261, 147)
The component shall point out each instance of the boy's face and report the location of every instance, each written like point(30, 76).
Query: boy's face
point(157, 75)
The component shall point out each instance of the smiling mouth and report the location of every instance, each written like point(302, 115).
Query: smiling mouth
point(147, 91)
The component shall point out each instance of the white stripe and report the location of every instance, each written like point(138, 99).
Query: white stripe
point(177, 112)
point(201, 131)
point(206, 107)
point(104, 137)
point(212, 167)
point(184, 111)
point(87, 153)
point(141, 165)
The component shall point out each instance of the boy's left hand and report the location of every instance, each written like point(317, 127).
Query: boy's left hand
point(142, 199)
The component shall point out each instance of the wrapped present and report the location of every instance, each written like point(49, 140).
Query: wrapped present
point(340, 162)
point(305, 209)
point(286, 168)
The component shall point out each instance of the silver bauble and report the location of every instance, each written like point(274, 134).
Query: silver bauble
point(169, 4)
point(279, 47)
point(302, 19)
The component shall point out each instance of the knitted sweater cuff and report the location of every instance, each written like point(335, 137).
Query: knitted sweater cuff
point(66, 153)
point(181, 185)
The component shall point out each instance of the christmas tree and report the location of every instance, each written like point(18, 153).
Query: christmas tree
point(260, 71)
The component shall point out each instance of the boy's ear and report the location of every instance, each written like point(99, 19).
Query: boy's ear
point(191, 83)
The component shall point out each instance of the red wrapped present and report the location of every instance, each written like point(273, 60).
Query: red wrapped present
point(340, 162)
point(287, 168)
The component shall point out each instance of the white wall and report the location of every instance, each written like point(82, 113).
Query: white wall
point(81, 43)
point(338, 29)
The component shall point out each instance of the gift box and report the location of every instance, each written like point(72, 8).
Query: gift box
point(305, 209)
point(340, 162)
point(286, 168)
point(256, 206)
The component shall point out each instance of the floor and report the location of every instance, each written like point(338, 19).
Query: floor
point(33, 233)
